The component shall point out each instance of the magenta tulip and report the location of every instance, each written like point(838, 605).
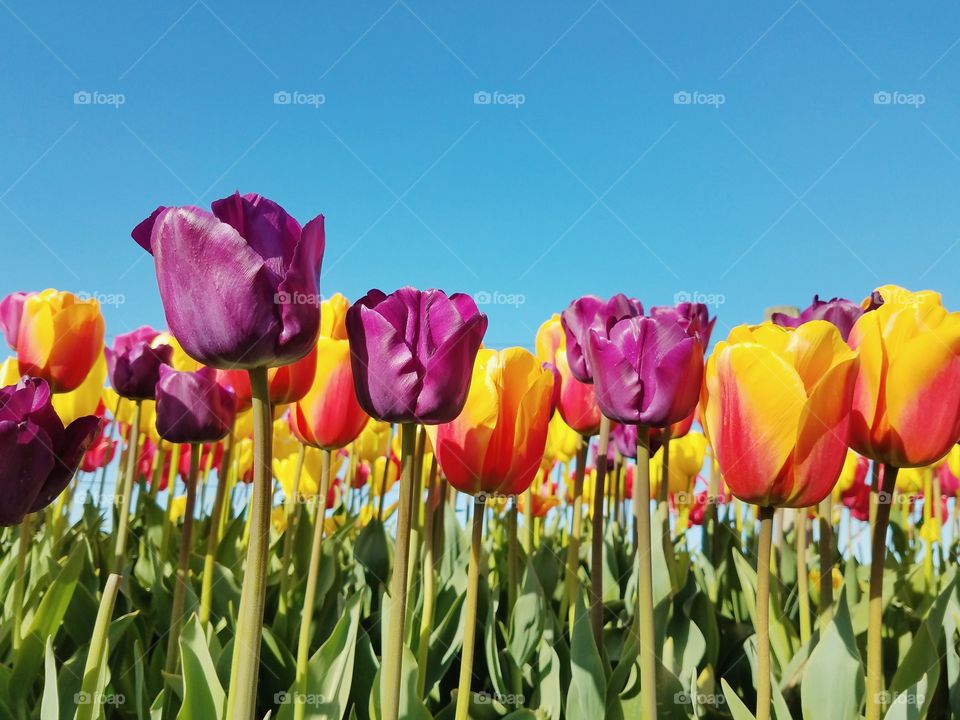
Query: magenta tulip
point(838, 311)
point(239, 285)
point(11, 310)
point(646, 370)
point(413, 352)
point(693, 317)
point(38, 456)
point(134, 363)
point(192, 407)
point(590, 312)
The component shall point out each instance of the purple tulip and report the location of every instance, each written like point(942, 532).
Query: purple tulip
point(693, 317)
point(11, 309)
point(38, 456)
point(239, 285)
point(586, 313)
point(646, 370)
point(192, 407)
point(412, 353)
point(838, 311)
point(134, 363)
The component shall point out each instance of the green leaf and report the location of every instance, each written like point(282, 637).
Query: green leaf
point(588, 684)
point(50, 704)
point(526, 623)
point(737, 708)
point(329, 671)
point(203, 696)
point(45, 624)
point(834, 674)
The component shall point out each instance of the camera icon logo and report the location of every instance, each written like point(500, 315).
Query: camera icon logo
point(682, 97)
point(82, 97)
point(882, 97)
point(282, 97)
point(482, 97)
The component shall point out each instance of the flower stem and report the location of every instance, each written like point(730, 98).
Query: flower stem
point(393, 653)
point(89, 686)
point(183, 566)
point(429, 578)
point(290, 510)
point(573, 546)
point(113, 434)
point(663, 513)
point(213, 536)
point(648, 640)
point(131, 470)
point(763, 612)
point(241, 705)
point(20, 582)
point(596, 539)
point(803, 589)
point(878, 552)
point(171, 491)
point(470, 612)
point(826, 561)
point(310, 594)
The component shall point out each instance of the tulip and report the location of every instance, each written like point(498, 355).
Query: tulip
point(333, 317)
point(906, 413)
point(239, 284)
point(192, 407)
point(412, 353)
point(11, 310)
point(85, 399)
point(328, 415)
point(100, 454)
point(686, 460)
point(134, 363)
point(575, 401)
point(59, 336)
point(494, 447)
point(777, 411)
point(39, 455)
point(693, 317)
point(838, 311)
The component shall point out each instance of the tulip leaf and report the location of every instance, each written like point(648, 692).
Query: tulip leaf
point(329, 671)
point(203, 696)
point(45, 624)
point(526, 623)
point(50, 703)
point(588, 683)
point(834, 671)
point(738, 710)
point(411, 706)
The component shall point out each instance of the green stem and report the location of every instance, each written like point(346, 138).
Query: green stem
point(663, 514)
point(878, 552)
point(310, 595)
point(648, 640)
point(213, 536)
point(513, 583)
point(763, 612)
point(429, 580)
point(241, 704)
point(470, 612)
point(803, 589)
point(573, 546)
point(131, 470)
point(596, 539)
point(113, 435)
point(171, 488)
point(183, 566)
point(20, 582)
point(393, 653)
point(826, 561)
point(96, 656)
point(290, 510)
point(159, 460)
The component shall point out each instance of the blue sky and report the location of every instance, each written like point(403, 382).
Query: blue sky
point(785, 174)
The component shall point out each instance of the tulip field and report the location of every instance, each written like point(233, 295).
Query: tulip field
point(291, 505)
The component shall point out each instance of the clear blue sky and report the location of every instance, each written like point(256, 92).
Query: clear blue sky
point(799, 182)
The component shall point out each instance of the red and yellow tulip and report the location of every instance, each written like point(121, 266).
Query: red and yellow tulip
point(777, 411)
point(575, 400)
